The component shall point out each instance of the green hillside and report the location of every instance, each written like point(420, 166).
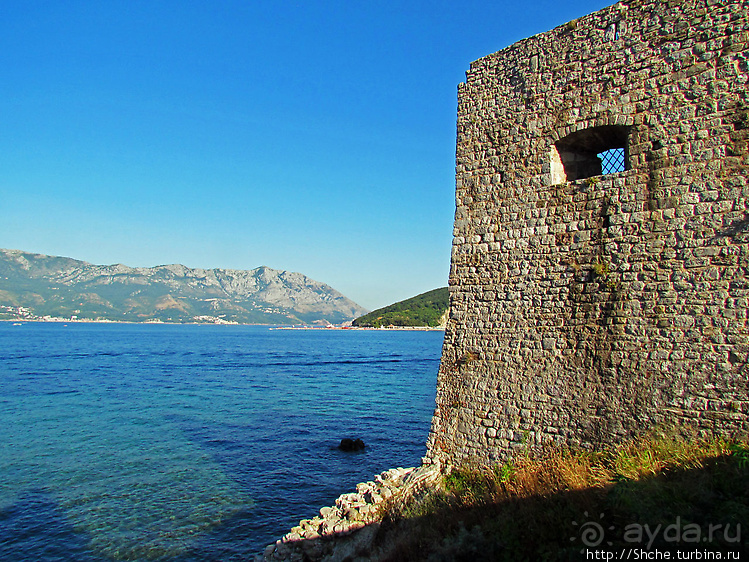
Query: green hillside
point(426, 309)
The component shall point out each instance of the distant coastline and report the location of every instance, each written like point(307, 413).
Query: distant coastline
point(56, 320)
point(59, 320)
point(359, 328)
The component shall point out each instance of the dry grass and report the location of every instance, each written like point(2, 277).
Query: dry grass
point(524, 510)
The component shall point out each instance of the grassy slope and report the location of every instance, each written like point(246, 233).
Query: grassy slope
point(540, 507)
point(422, 310)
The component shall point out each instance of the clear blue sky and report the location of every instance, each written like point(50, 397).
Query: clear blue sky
point(311, 136)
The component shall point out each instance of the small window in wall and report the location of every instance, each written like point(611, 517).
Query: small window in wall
point(590, 152)
point(612, 160)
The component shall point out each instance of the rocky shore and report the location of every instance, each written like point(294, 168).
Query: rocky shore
point(347, 530)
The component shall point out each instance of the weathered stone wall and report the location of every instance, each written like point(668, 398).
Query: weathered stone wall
point(585, 311)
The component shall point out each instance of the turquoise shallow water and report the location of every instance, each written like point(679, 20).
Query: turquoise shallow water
point(182, 443)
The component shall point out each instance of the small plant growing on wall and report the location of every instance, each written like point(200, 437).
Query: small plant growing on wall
point(601, 269)
point(590, 182)
point(602, 273)
point(466, 358)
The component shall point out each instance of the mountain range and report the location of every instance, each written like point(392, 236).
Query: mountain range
point(35, 286)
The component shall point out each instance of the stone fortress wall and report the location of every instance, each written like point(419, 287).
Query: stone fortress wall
point(588, 307)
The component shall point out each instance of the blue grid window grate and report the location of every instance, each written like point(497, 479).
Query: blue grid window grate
point(612, 161)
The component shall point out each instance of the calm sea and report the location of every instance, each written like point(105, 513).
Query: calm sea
point(187, 443)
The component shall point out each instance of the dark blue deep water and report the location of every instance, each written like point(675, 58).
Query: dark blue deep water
point(188, 443)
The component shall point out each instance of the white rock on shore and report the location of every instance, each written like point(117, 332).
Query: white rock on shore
point(348, 529)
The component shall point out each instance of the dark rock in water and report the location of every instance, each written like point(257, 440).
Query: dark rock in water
point(351, 445)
